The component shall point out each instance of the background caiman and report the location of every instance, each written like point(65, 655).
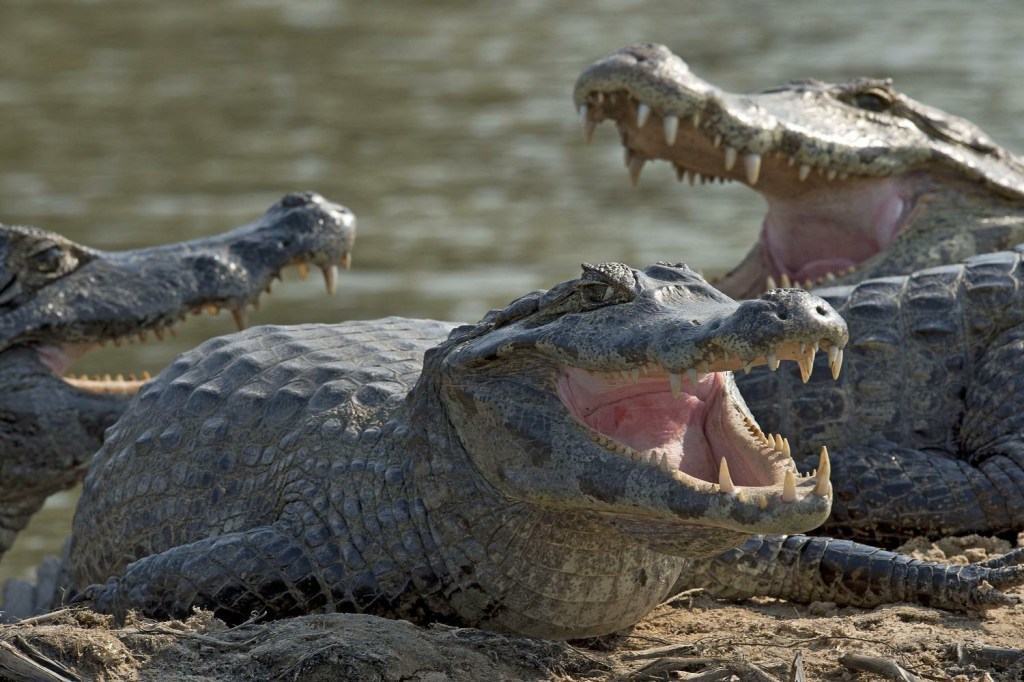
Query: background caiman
point(59, 299)
point(861, 182)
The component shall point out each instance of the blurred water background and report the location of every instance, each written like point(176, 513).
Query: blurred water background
point(446, 126)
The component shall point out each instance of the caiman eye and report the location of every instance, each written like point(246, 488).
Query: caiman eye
point(607, 282)
point(49, 260)
point(596, 292)
point(872, 100)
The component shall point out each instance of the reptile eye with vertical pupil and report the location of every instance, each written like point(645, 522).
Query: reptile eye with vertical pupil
point(48, 260)
point(872, 100)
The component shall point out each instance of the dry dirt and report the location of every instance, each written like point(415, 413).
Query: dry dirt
point(691, 637)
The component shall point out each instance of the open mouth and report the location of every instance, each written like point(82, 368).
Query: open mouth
point(821, 223)
point(687, 424)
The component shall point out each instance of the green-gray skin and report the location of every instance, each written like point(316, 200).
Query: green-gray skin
point(925, 422)
point(59, 299)
point(552, 471)
point(855, 175)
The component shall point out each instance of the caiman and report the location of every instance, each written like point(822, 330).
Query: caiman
point(860, 180)
point(59, 299)
point(552, 470)
point(866, 189)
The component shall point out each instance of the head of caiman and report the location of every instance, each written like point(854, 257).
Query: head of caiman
point(59, 300)
point(860, 180)
point(613, 394)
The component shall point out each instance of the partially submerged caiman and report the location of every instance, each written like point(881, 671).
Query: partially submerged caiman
point(552, 470)
point(866, 188)
point(860, 180)
point(59, 299)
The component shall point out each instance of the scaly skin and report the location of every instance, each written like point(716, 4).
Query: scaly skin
point(860, 180)
point(553, 470)
point(59, 299)
point(924, 420)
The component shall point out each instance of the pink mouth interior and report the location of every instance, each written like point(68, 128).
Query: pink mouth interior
point(646, 417)
point(830, 229)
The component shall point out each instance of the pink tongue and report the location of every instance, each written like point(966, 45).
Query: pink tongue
point(654, 420)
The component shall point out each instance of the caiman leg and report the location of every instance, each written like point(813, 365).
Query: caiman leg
point(805, 569)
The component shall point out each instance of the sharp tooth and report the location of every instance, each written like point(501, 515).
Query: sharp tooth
point(831, 173)
point(718, 141)
point(634, 375)
point(791, 161)
point(837, 365)
point(833, 353)
point(773, 361)
point(303, 270)
point(643, 112)
point(769, 283)
point(173, 329)
point(752, 163)
point(663, 464)
point(636, 165)
point(789, 487)
point(804, 171)
point(588, 126)
point(652, 459)
point(785, 448)
point(600, 97)
point(671, 124)
point(680, 172)
point(806, 363)
point(762, 503)
point(730, 158)
point(159, 333)
point(705, 366)
point(724, 480)
point(823, 486)
point(691, 177)
point(330, 278)
point(691, 374)
point(830, 276)
point(676, 382)
point(696, 119)
point(239, 316)
point(635, 456)
point(747, 367)
point(784, 281)
point(346, 261)
point(808, 284)
point(777, 443)
point(143, 336)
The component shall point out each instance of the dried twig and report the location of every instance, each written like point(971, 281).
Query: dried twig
point(886, 667)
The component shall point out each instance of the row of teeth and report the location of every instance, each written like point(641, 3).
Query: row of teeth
point(670, 124)
point(805, 363)
point(659, 460)
point(330, 273)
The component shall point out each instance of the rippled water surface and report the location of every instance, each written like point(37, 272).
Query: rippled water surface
point(447, 127)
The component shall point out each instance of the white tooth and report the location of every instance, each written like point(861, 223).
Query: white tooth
point(823, 487)
point(636, 165)
point(718, 141)
point(806, 363)
point(330, 273)
point(789, 487)
point(643, 112)
point(803, 347)
point(747, 367)
point(724, 480)
point(692, 376)
point(676, 382)
point(830, 276)
point(833, 353)
point(791, 161)
point(785, 447)
point(588, 125)
point(837, 365)
point(705, 366)
point(730, 158)
point(663, 464)
point(600, 97)
point(777, 442)
point(805, 170)
point(652, 459)
point(671, 124)
point(773, 361)
point(634, 374)
point(832, 173)
point(769, 283)
point(752, 162)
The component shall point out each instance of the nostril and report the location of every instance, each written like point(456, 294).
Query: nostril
point(782, 315)
point(821, 310)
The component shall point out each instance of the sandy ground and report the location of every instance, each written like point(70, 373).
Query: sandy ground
point(691, 637)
